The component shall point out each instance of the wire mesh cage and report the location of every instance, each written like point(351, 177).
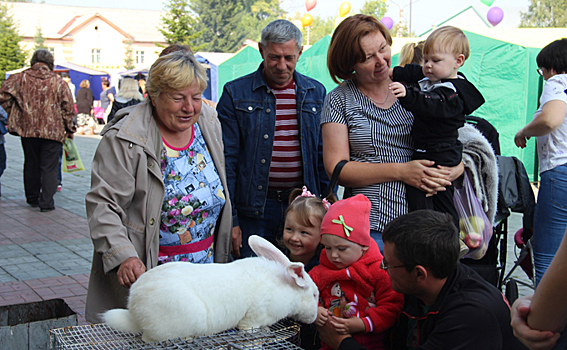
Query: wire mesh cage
point(281, 335)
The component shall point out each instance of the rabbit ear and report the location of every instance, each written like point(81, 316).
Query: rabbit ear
point(297, 272)
point(265, 249)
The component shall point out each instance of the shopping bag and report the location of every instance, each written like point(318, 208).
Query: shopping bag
point(71, 159)
point(474, 226)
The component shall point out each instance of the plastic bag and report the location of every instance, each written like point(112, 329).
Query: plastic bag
point(71, 159)
point(474, 226)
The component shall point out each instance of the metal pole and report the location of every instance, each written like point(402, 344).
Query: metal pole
point(410, 19)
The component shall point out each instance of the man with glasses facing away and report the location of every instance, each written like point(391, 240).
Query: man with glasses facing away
point(447, 304)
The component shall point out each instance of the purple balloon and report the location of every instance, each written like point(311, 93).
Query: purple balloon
point(495, 15)
point(388, 22)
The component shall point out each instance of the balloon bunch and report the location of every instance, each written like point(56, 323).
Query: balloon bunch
point(495, 14)
point(307, 19)
point(344, 10)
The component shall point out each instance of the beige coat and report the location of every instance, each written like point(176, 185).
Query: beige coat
point(124, 203)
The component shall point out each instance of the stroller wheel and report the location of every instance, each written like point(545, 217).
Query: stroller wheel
point(511, 291)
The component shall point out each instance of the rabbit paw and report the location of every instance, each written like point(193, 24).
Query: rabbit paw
point(146, 338)
point(245, 324)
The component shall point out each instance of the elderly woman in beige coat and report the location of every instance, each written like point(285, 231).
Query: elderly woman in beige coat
point(158, 185)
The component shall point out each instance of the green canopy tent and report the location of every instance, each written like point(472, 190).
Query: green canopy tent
point(245, 61)
point(313, 63)
point(506, 74)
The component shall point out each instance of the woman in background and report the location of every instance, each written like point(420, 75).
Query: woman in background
point(128, 95)
point(411, 53)
point(85, 99)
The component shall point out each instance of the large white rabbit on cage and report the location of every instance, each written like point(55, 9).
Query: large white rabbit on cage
point(181, 299)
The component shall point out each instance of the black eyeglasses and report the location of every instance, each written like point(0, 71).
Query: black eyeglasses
point(385, 267)
point(540, 71)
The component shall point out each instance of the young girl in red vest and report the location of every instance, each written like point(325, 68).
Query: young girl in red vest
point(356, 295)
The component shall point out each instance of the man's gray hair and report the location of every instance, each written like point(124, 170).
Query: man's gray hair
point(281, 31)
point(43, 56)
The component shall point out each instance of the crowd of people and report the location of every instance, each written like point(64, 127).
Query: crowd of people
point(175, 178)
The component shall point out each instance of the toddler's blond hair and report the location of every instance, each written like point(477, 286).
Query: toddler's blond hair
point(447, 39)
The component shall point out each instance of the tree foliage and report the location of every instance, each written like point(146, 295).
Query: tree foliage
point(218, 22)
point(39, 39)
point(11, 55)
point(545, 13)
point(179, 25)
point(376, 8)
point(129, 56)
point(319, 29)
point(226, 24)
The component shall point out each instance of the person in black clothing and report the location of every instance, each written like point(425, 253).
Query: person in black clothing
point(85, 99)
point(127, 96)
point(447, 305)
point(439, 99)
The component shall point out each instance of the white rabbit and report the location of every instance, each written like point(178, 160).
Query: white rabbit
point(181, 299)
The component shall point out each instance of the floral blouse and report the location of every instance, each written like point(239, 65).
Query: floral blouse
point(194, 198)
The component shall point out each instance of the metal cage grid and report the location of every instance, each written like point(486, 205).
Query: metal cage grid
point(281, 335)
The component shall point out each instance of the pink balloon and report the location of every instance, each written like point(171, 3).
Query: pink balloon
point(310, 4)
point(495, 15)
point(388, 22)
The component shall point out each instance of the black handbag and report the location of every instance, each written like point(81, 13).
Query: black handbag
point(332, 187)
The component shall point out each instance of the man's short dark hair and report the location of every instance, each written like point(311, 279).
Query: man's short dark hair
point(427, 238)
point(554, 56)
point(43, 56)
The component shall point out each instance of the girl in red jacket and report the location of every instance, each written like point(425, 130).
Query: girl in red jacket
point(356, 295)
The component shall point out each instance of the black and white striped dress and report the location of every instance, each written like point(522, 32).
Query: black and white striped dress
point(376, 135)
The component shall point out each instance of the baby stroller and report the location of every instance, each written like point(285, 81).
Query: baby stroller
point(514, 194)
point(517, 195)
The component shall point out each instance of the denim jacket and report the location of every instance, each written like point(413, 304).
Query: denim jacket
point(247, 111)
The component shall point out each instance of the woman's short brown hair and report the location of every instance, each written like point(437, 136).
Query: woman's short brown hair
point(85, 84)
point(345, 50)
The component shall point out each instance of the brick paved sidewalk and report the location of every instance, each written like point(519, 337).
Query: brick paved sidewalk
point(43, 256)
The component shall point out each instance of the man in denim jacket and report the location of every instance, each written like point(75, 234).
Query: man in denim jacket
point(271, 148)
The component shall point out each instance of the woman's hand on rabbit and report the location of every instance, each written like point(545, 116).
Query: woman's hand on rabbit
point(322, 316)
point(347, 325)
point(129, 271)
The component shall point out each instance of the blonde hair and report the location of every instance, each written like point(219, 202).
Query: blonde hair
point(174, 72)
point(85, 84)
point(411, 53)
point(129, 90)
point(447, 39)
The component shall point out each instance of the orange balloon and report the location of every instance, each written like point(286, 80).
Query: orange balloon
point(307, 20)
point(310, 4)
point(344, 9)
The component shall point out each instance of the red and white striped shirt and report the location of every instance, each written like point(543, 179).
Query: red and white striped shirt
point(285, 168)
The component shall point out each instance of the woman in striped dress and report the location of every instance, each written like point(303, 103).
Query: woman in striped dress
point(363, 122)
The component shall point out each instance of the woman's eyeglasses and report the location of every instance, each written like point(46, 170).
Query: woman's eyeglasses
point(540, 71)
point(385, 267)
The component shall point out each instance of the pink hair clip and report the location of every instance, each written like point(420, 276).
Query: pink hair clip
point(306, 193)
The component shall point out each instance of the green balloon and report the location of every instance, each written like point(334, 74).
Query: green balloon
point(487, 2)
